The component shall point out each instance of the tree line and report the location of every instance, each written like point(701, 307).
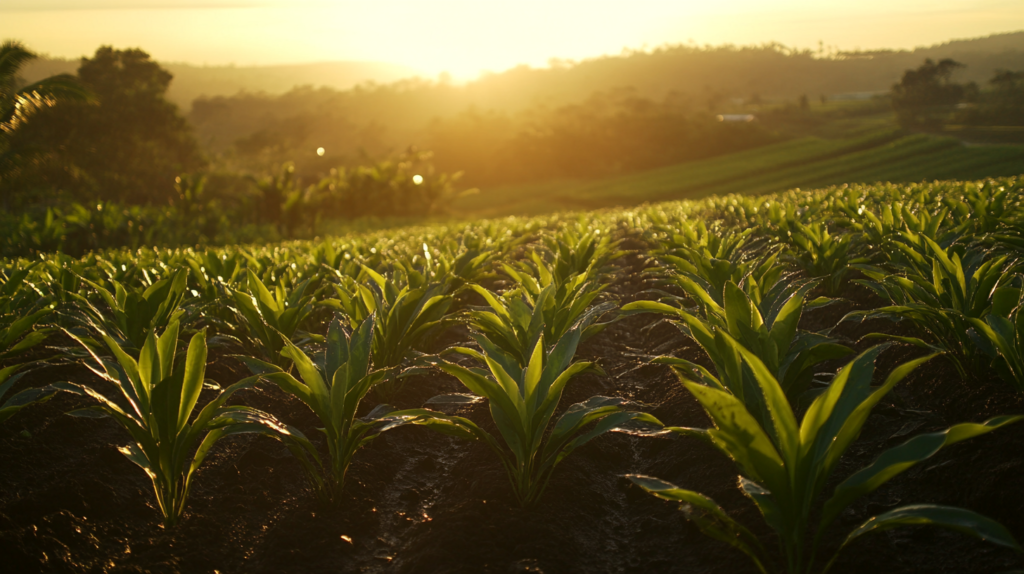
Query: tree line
point(927, 97)
point(102, 158)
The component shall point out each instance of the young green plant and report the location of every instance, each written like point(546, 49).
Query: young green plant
point(21, 311)
point(523, 401)
point(264, 315)
point(1002, 338)
point(157, 397)
point(766, 327)
point(403, 320)
point(785, 474)
point(333, 386)
point(516, 321)
point(941, 292)
point(132, 312)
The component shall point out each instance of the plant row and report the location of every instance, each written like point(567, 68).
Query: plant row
point(343, 323)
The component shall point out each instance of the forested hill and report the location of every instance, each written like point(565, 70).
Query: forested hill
point(607, 115)
point(191, 82)
point(771, 71)
point(675, 80)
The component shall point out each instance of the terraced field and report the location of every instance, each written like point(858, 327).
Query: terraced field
point(882, 155)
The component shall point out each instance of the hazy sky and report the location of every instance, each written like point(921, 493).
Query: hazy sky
point(465, 37)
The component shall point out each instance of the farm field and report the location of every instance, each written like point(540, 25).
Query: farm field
point(521, 394)
point(866, 153)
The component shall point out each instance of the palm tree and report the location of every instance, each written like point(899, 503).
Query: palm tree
point(17, 105)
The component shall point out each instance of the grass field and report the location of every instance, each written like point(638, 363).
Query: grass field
point(807, 162)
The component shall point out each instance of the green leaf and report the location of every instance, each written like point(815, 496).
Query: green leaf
point(769, 507)
point(579, 415)
point(149, 363)
point(359, 352)
point(898, 459)
point(784, 325)
point(8, 377)
point(609, 421)
point(24, 398)
point(256, 366)
point(651, 307)
point(263, 295)
point(949, 517)
point(133, 388)
point(192, 383)
point(308, 371)
point(502, 407)
point(166, 348)
point(336, 353)
point(707, 515)
point(532, 374)
point(741, 438)
point(782, 417)
point(454, 399)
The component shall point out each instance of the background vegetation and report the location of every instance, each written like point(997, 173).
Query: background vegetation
point(125, 166)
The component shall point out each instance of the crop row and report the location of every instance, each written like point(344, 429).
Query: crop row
point(340, 322)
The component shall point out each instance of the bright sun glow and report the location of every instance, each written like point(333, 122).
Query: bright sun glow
point(417, 179)
point(464, 37)
point(320, 151)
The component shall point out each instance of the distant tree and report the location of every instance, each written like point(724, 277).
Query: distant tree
point(1002, 104)
point(925, 97)
point(274, 190)
point(1008, 97)
point(18, 105)
point(132, 145)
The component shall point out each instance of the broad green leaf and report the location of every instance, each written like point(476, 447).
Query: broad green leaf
point(532, 374)
point(307, 370)
point(898, 459)
point(262, 294)
point(949, 517)
point(707, 515)
point(741, 438)
point(150, 371)
point(166, 347)
point(781, 413)
point(336, 352)
point(192, 384)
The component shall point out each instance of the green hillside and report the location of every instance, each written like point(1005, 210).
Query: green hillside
point(808, 162)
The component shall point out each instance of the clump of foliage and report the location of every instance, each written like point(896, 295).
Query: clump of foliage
point(333, 385)
point(784, 469)
point(18, 105)
point(925, 97)
point(157, 395)
point(128, 146)
point(523, 400)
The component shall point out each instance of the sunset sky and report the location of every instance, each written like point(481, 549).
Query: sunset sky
point(465, 37)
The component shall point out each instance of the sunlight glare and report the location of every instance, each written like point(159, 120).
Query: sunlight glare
point(466, 37)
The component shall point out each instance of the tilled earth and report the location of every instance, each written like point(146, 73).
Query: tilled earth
point(420, 502)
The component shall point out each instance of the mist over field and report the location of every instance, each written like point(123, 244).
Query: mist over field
point(289, 147)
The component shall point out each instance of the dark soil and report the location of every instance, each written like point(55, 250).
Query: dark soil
point(419, 502)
